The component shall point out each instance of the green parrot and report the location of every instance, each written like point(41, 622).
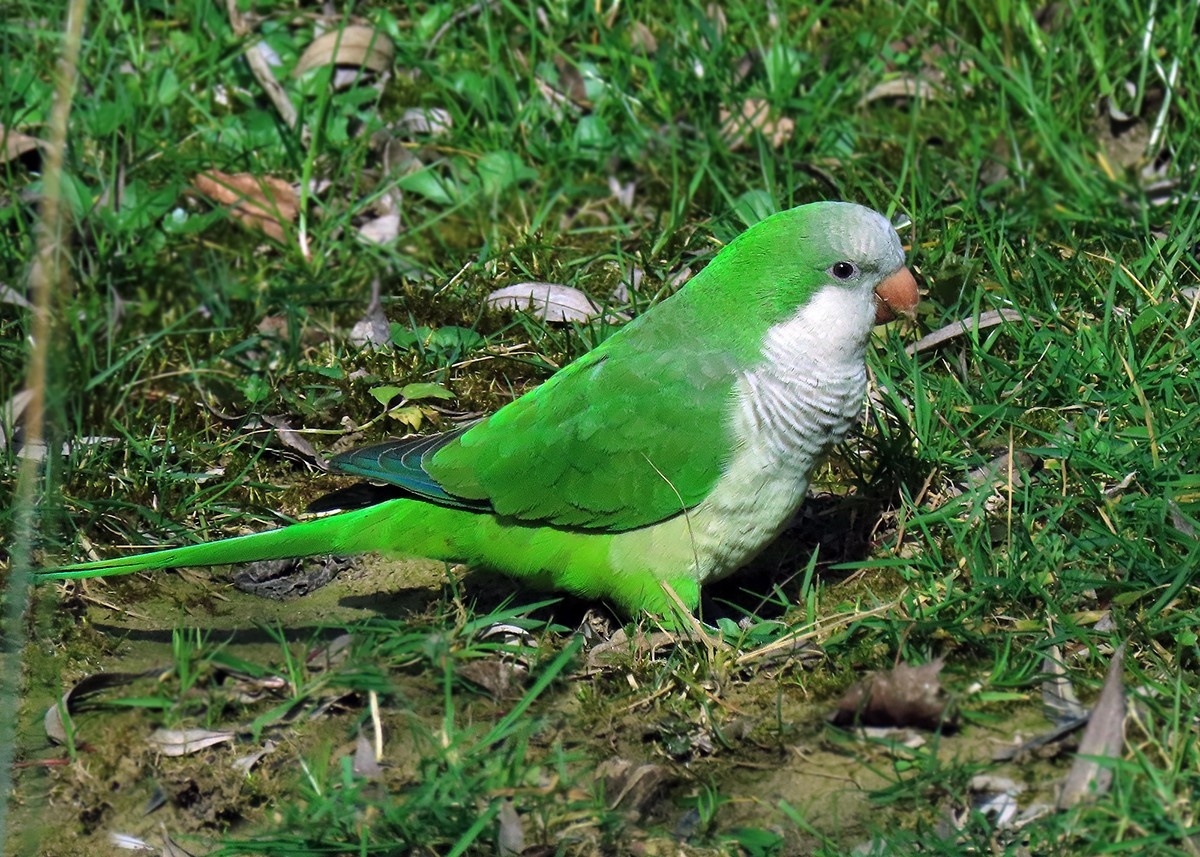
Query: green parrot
point(669, 455)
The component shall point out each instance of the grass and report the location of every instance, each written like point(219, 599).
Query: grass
point(1026, 192)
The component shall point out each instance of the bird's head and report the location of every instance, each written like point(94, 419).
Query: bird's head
point(827, 271)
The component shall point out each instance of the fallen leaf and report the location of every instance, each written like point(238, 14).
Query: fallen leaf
point(246, 763)
point(184, 742)
point(755, 115)
point(1104, 738)
point(81, 694)
point(9, 295)
point(996, 798)
point(1179, 520)
point(354, 45)
point(129, 842)
point(16, 144)
point(1115, 490)
point(917, 86)
point(551, 302)
point(955, 329)
point(373, 330)
point(1005, 466)
point(10, 413)
point(498, 677)
point(620, 644)
point(52, 724)
point(264, 203)
point(381, 230)
point(365, 764)
point(433, 121)
point(1044, 745)
point(510, 838)
point(258, 57)
point(1059, 702)
point(630, 786)
point(295, 441)
point(330, 655)
point(284, 579)
point(641, 40)
point(622, 192)
point(903, 696)
point(171, 848)
point(571, 82)
point(1127, 140)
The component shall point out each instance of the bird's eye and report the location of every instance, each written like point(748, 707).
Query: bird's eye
point(843, 270)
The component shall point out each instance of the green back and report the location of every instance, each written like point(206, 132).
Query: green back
point(639, 429)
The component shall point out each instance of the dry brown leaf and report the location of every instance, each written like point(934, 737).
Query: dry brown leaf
point(295, 441)
point(52, 723)
point(903, 696)
point(630, 786)
point(433, 121)
point(332, 654)
point(510, 839)
point(641, 40)
point(754, 115)
point(246, 763)
point(354, 45)
point(264, 203)
point(276, 326)
point(991, 318)
point(373, 330)
point(1059, 702)
point(603, 654)
point(283, 579)
point(365, 763)
point(171, 848)
point(129, 842)
point(78, 697)
point(1129, 140)
point(16, 144)
point(1104, 738)
point(382, 230)
point(498, 677)
point(9, 295)
point(903, 86)
point(571, 82)
point(551, 302)
point(10, 413)
point(184, 742)
point(260, 66)
point(1178, 520)
point(1002, 469)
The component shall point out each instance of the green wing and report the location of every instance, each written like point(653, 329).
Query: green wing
point(630, 434)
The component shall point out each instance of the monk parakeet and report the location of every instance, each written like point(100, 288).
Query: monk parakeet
point(670, 454)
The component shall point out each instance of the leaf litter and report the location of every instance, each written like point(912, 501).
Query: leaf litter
point(641, 784)
point(262, 203)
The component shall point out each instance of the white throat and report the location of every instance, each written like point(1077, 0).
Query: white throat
point(798, 402)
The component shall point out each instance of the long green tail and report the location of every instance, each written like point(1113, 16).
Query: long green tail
point(379, 527)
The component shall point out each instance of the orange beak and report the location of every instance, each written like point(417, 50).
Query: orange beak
point(895, 296)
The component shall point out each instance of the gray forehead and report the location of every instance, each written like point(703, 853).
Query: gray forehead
point(877, 239)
